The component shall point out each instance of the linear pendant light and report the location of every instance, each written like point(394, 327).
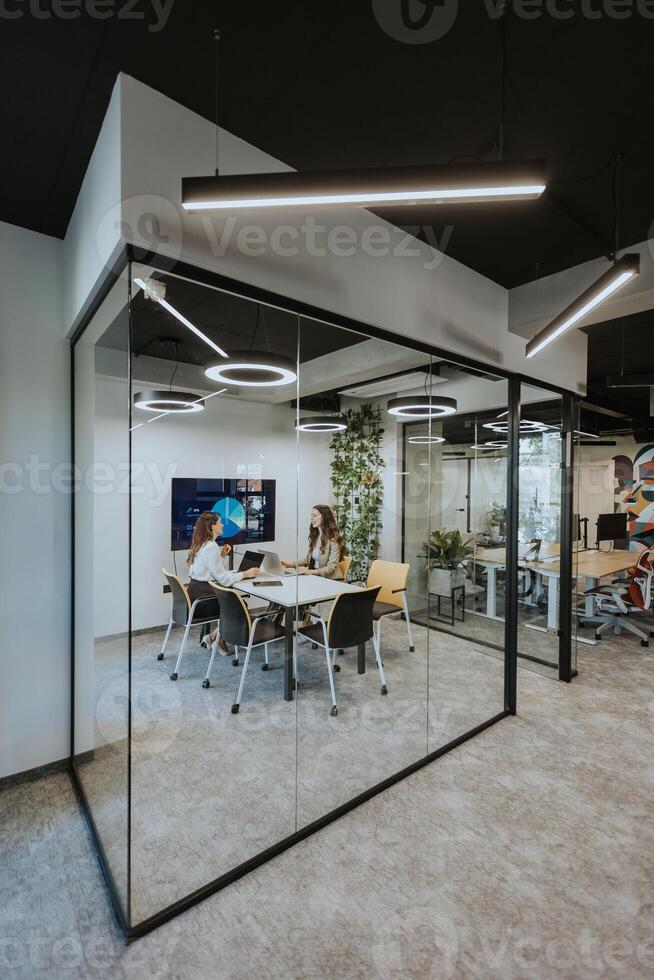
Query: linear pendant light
point(460, 184)
point(151, 294)
point(621, 272)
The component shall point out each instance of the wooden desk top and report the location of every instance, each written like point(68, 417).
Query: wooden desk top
point(589, 564)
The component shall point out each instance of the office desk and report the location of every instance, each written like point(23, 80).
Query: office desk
point(296, 590)
point(493, 559)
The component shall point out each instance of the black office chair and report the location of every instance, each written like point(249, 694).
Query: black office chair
point(238, 627)
point(350, 624)
point(187, 614)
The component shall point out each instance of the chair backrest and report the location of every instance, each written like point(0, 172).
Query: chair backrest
point(181, 600)
point(639, 589)
point(235, 621)
point(350, 619)
point(389, 576)
point(344, 565)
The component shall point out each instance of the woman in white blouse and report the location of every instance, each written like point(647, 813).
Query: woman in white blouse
point(205, 561)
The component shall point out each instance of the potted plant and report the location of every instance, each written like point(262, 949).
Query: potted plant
point(445, 552)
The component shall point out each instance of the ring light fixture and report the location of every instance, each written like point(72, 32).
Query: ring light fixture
point(491, 445)
point(321, 423)
point(422, 407)
point(461, 184)
point(526, 426)
point(425, 440)
point(254, 369)
point(160, 400)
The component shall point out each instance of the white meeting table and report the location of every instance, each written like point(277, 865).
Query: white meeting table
point(297, 590)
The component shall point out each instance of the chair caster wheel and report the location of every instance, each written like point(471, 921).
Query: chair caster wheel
point(333, 711)
point(235, 708)
point(598, 637)
point(160, 656)
point(337, 668)
point(314, 646)
point(206, 683)
point(384, 689)
point(173, 677)
point(644, 643)
point(341, 653)
point(235, 662)
point(264, 666)
point(412, 649)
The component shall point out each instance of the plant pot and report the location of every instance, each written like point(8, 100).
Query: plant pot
point(443, 580)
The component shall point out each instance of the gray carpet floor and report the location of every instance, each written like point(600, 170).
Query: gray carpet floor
point(526, 852)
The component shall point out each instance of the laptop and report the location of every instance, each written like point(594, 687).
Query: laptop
point(272, 565)
point(251, 559)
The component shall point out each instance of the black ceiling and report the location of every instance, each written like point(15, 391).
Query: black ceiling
point(323, 86)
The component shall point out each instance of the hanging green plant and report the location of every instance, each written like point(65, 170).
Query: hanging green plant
point(357, 489)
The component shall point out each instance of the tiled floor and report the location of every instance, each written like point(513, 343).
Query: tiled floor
point(527, 852)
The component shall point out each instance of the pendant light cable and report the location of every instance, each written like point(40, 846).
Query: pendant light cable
point(216, 37)
point(172, 377)
point(503, 52)
point(616, 206)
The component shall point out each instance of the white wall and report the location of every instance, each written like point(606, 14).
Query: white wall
point(35, 522)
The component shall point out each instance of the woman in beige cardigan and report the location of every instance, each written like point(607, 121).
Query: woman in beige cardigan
point(326, 546)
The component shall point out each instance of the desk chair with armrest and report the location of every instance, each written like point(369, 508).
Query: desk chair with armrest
point(238, 627)
point(614, 604)
point(186, 614)
point(350, 624)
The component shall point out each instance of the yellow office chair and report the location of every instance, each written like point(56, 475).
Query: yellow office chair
point(344, 565)
point(392, 577)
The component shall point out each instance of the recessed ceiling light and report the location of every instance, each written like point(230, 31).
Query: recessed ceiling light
point(422, 407)
point(254, 369)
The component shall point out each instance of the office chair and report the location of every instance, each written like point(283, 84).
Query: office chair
point(184, 613)
point(238, 627)
point(391, 577)
point(350, 624)
point(615, 603)
point(344, 565)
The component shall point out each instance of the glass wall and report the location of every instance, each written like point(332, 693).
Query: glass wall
point(289, 584)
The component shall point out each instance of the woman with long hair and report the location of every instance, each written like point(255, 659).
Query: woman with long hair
point(326, 546)
point(205, 561)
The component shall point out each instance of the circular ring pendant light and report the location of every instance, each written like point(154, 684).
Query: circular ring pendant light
point(254, 369)
point(321, 423)
point(525, 427)
point(422, 407)
point(491, 445)
point(160, 400)
point(425, 440)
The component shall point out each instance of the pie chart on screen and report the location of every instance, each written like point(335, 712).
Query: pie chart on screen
point(232, 514)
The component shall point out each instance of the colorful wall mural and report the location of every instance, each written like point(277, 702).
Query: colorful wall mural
point(634, 489)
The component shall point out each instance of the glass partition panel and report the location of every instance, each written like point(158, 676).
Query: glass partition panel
point(211, 788)
point(101, 557)
point(466, 548)
point(539, 529)
point(362, 704)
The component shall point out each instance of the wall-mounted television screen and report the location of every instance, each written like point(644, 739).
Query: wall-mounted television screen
point(247, 509)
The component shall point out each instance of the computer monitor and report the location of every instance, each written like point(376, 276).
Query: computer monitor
point(247, 509)
point(611, 527)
